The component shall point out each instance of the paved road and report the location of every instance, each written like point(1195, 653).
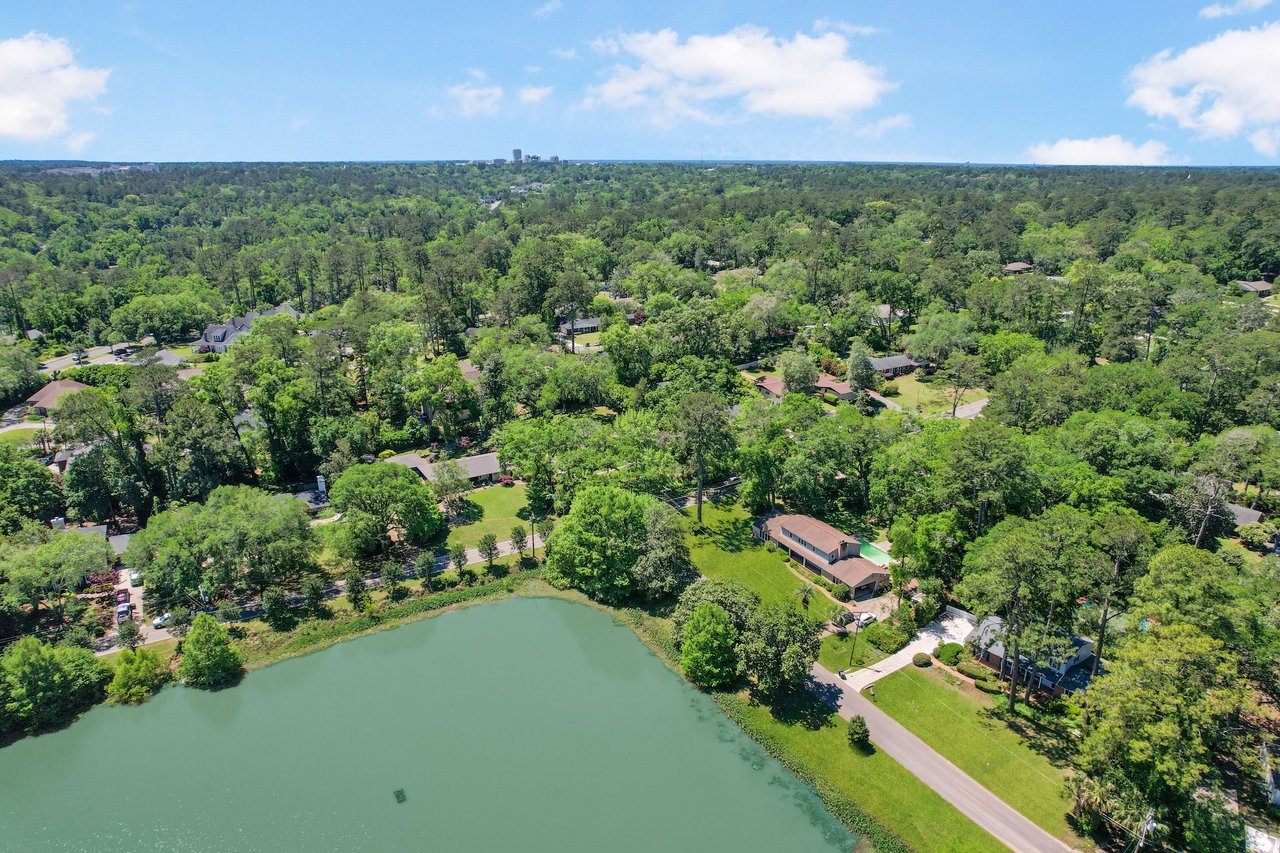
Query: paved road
point(473, 554)
point(969, 411)
point(27, 425)
point(93, 355)
point(884, 401)
point(948, 629)
point(954, 785)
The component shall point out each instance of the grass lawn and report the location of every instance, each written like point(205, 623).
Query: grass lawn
point(590, 339)
point(164, 648)
point(958, 723)
point(19, 436)
point(490, 510)
point(929, 394)
point(725, 548)
point(834, 654)
point(814, 742)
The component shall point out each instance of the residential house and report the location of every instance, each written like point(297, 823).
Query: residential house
point(1067, 667)
point(1256, 288)
point(47, 398)
point(1018, 267)
point(1244, 515)
point(829, 384)
point(771, 387)
point(218, 336)
point(826, 551)
point(895, 365)
point(583, 326)
point(479, 469)
point(470, 372)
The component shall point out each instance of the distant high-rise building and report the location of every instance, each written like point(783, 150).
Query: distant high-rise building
point(515, 155)
point(555, 158)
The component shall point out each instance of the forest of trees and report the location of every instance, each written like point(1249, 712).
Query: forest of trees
point(1134, 393)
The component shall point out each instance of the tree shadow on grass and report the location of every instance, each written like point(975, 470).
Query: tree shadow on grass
point(810, 708)
point(1052, 739)
point(732, 534)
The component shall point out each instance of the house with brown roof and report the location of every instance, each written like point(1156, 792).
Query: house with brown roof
point(771, 387)
point(829, 384)
point(826, 551)
point(1256, 288)
point(47, 398)
point(1018, 267)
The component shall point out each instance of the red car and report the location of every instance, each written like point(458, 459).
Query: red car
point(122, 595)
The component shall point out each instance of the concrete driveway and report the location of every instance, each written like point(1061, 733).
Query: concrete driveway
point(948, 629)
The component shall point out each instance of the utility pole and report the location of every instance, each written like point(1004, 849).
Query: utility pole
point(1148, 824)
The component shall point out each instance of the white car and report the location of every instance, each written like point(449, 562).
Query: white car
point(124, 612)
point(161, 621)
point(865, 619)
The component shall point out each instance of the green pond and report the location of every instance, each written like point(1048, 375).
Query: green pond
point(529, 724)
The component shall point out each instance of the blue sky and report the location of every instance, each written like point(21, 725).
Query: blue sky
point(1137, 81)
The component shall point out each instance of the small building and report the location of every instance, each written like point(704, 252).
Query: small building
point(34, 334)
point(47, 398)
point(119, 543)
point(218, 336)
point(1067, 669)
point(479, 469)
point(1244, 515)
point(826, 551)
point(1256, 288)
point(895, 365)
point(470, 372)
point(583, 326)
point(771, 387)
point(829, 384)
point(1018, 267)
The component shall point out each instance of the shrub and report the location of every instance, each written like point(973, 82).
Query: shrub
point(507, 480)
point(1257, 536)
point(858, 733)
point(830, 397)
point(138, 675)
point(386, 454)
point(920, 659)
point(886, 636)
point(275, 609)
point(949, 653)
point(890, 389)
point(228, 611)
point(773, 546)
point(973, 669)
point(989, 685)
point(841, 592)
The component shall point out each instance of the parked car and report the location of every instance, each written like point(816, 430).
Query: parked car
point(135, 578)
point(122, 595)
point(844, 617)
point(124, 612)
point(865, 619)
point(161, 621)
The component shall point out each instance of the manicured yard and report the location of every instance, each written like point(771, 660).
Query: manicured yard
point(957, 722)
point(834, 654)
point(813, 742)
point(490, 510)
point(929, 394)
point(726, 548)
point(589, 339)
point(19, 436)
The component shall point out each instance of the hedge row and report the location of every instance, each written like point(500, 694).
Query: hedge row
point(844, 809)
point(974, 670)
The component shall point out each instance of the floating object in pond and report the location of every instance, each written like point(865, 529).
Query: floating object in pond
point(400, 797)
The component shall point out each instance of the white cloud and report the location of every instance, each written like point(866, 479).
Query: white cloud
point(533, 69)
point(606, 45)
point(38, 78)
point(823, 25)
point(76, 142)
point(1112, 150)
point(565, 52)
point(880, 128)
point(534, 94)
point(1240, 7)
point(710, 78)
point(546, 10)
point(476, 99)
point(1221, 88)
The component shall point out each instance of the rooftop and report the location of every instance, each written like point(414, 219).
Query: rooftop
point(49, 395)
